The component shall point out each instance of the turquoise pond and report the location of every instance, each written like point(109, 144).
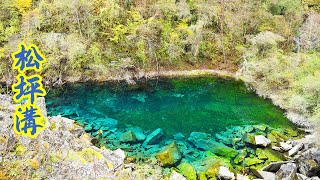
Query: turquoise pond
point(202, 104)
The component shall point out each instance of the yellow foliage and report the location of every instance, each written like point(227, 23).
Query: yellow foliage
point(2, 175)
point(34, 163)
point(22, 5)
point(53, 126)
point(20, 150)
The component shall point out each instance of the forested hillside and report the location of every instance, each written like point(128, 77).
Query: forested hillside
point(273, 43)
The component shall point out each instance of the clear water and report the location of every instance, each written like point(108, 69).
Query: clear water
point(205, 104)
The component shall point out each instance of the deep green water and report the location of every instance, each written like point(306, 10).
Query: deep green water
point(205, 104)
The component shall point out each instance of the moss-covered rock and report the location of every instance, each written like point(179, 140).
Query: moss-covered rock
point(169, 155)
point(223, 150)
point(249, 138)
point(202, 176)
point(188, 171)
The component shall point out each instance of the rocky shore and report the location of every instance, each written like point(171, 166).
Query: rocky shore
point(62, 151)
point(65, 151)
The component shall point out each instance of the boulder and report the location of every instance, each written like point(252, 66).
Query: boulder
point(291, 132)
point(154, 137)
point(252, 161)
point(42, 104)
point(287, 172)
point(275, 166)
point(261, 154)
point(249, 138)
point(295, 149)
point(271, 155)
point(178, 136)
point(211, 165)
point(205, 142)
point(276, 136)
point(285, 146)
point(276, 148)
point(169, 155)
point(302, 177)
point(223, 150)
point(128, 137)
point(201, 140)
point(313, 153)
point(242, 177)
point(260, 127)
point(309, 167)
point(248, 129)
point(262, 141)
point(264, 174)
point(188, 171)
point(138, 133)
point(202, 176)
point(224, 173)
point(107, 122)
point(120, 153)
point(176, 176)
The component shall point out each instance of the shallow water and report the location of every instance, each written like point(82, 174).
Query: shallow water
point(205, 104)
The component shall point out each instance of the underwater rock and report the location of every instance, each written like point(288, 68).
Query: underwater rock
point(154, 137)
point(108, 122)
point(291, 132)
point(178, 136)
point(138, 132)
point(252, 161)
point(248, 129)
point(287, 172)
point(201, 140)
point(225, 138)
point(88, 127)
point(276, 136)
point(205, 142)
point(261, 154)
point(176, 176)
point(223, 150)
point(260, 127)
point(188, 171)
point(128, 137)
point(202, 176)
point(140, 97)
point(211, 165)
point(169, 155)
point(271, 155)
point(262, 141)
point(295, 149)
point(240, 157)
point(249, 138)
point(224, 173)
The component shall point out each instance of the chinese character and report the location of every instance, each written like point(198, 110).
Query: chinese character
point(27, 58)
point(28, 120)
point(28, 87)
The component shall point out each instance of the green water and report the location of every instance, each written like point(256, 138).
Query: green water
point(205, 104)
